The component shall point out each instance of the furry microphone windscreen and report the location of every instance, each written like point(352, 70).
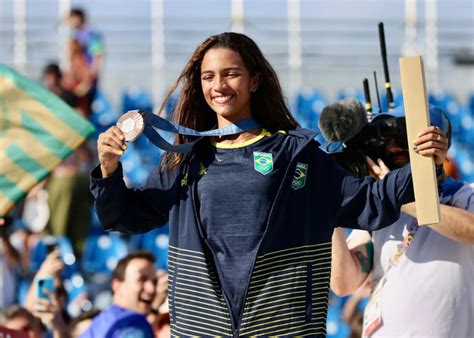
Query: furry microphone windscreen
point(342, 120)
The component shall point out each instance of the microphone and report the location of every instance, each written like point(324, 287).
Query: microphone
point(342, 120)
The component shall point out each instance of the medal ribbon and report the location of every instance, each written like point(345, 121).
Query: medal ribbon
point(153, 121)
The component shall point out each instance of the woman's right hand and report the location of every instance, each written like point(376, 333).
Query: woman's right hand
point(110, 146)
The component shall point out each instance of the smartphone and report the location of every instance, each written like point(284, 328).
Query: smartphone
point(43, 283)
point(50, 247)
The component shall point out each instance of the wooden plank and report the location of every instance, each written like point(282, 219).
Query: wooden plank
point(417, 118)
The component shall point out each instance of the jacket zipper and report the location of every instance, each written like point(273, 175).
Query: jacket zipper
point(234, 328)
point(285, 178)
point(219, 272)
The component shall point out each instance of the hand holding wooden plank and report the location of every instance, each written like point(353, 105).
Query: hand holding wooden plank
point(417, 118)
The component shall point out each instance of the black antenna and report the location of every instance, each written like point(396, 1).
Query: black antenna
point(368, 102)
point(383, 50)
point(377, 92)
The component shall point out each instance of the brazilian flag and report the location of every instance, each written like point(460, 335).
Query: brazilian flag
point(37, 131)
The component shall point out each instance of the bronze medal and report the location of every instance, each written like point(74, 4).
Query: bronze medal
point(131, 124)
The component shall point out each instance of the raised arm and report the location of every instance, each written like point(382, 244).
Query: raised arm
point(370, 204)
point(351, 260)
point(123, 209)
point(456, 223)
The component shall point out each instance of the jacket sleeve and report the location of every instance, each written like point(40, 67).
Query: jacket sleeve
point(372, 204)
point(133, 210)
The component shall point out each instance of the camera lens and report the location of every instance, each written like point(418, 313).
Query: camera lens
point(41, 282)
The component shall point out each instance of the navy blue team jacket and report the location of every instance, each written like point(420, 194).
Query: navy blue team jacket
point(287, 293)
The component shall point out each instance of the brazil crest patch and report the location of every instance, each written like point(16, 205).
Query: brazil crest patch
point(263, 162)
point(299, 177)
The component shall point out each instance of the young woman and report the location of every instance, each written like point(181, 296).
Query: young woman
point(251, 215)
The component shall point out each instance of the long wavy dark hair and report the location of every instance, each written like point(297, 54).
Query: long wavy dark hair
point(267, 103)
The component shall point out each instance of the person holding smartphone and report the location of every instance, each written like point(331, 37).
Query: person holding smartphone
point(46, 298)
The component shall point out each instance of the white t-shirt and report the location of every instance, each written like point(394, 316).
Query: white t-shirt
point(430, 292)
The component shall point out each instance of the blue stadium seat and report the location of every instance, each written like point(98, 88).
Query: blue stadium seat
point(22, 287)
point(308, 105)
point(397, 100)
point(441, 99)
point(171, 105)
point(136, 98)
point(155, 241)
point(38, 254)
point(347, 93)
point(77, 291)
point(101, 254)
point(455, 114)
point(103, 116)
point(465, 161)
point(335, 327)
point(465, 128)
point(134, 169)
point(470, 103)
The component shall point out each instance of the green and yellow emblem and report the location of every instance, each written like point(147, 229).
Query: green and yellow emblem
point(299, 177)
point(263, 162)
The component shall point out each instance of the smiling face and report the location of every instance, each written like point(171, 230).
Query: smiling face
point(227, 85)
point(138, 289)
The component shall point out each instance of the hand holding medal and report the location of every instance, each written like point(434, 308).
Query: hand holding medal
point(131, 124)
point(111, 144)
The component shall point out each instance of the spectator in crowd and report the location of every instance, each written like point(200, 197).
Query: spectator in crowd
point(89, 39)
point(81, 323)
point(69, 200)
point(52, 311)
point(86, 58)
point(16, 317)
point(79, 78)
point(248, 212)
point(52, 79)
point(10, 264)
point(421, 274)
point(134, 282)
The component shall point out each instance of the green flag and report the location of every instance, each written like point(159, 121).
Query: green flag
point(37, 131)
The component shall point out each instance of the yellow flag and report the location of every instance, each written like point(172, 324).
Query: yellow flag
point(37, 131)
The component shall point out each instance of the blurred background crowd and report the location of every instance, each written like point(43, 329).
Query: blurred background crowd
point(106, 57)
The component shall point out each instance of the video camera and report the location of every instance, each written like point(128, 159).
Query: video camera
point(369, 134)
point(372, 141)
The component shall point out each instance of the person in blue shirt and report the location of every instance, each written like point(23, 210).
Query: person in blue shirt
point(90, 40)
point(134, 289)
point(86, 59)
point(251, 214)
